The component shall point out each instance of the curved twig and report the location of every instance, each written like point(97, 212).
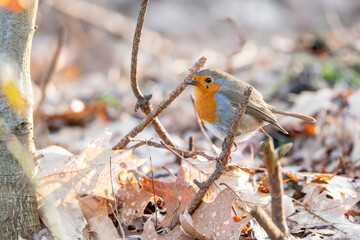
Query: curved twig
point(143, 102)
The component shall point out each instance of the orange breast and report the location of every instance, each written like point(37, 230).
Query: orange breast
point(206, 105)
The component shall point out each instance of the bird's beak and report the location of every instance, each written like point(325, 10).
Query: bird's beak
point(192, 83)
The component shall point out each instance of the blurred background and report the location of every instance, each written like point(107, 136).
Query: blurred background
point(303, 56)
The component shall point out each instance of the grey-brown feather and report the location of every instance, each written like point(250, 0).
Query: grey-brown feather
point(258, 112)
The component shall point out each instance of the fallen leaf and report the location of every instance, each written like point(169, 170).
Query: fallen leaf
point(103, 228)
point(352, 212)
point(328, 207)
point(323, 178)
point(149, 233)
point(311, 129)
point(132, 202)
point(176, 195)
point(215, 220)
point(63, 178)
point(236, 178)
point(90, 204)
point(292, 176)
point(264, 184)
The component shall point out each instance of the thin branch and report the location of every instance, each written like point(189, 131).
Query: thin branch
point(265, 222)
point(143, 102)
point(246, 208)
point(50, 72)
point(272, 159)
point(222, 160)
point(162, 106)
point(135, 50)
point(191, 143)
point(180, 152)
point(170, 173)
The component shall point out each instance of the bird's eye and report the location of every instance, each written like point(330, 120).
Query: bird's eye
point(208, 80)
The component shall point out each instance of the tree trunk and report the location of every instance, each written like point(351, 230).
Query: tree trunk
point(18, 206)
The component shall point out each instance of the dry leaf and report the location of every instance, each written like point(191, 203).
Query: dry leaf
point(327, 203)
point(215, 220)
point(323, 178)
point(90, 205)
point(177, 195)
point(102, 228)
point(264, 184)
point(236, 178)
point(292, 176)
point(63, 178)
point(132, 202)
point(149, 233)
point(352, 212)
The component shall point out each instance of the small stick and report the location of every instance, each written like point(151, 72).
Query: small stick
point(180, 152)
point(162, 106)
point(222, 160)
point(191, 144)
point(265, 222)
point(272, 159)
point(170, 173)
point(246, 208)
point(143, 102)
point(50, 72)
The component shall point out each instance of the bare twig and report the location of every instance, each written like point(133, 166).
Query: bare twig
point(191, 143)
point(265, 222)
point(120, 226)
point(143, 102)
point(222, 160)
point(180, 152)
point(246, 208)
point(170, 173)
point(50, 72)
point(272, 159)
point(162, 106)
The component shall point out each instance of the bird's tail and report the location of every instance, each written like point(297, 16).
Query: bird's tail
point(295, 115)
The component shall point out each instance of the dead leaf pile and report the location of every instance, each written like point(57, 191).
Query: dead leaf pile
point(96, 193)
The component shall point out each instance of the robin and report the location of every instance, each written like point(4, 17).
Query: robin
point(217, 95)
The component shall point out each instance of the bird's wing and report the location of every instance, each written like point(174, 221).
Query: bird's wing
point(257, 107)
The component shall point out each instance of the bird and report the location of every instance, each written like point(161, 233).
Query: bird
point(217, 95)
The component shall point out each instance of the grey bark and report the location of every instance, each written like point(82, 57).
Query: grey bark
point(18, 206)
